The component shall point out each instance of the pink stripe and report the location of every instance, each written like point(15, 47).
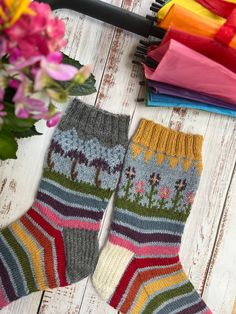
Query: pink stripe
point(66, 223)
point(208, 312)
point(144, 250)
point(3, 300)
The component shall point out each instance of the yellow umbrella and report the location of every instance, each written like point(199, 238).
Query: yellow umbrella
point(193, 6)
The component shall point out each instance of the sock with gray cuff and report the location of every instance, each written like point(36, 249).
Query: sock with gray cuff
point(55, 243)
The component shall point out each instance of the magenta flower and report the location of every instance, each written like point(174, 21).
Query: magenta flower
point(139, 187)
point(37, 34)
point(164, 192)
point(189, 198)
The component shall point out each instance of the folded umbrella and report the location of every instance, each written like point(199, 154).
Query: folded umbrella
point(189, 22)
point(184, 67)
point(219, 7)
point(192, 6)
point(208, 47)
point(170, 90)
point(154, 100)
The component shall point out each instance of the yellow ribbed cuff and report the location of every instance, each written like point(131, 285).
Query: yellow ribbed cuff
point(157, 138)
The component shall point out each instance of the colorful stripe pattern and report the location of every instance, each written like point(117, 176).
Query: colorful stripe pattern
point(55, 243)
point(139, 270)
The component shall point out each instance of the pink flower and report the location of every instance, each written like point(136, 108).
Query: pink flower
point(189, 198)
point(34, 35)
point(54, 120)
point(26, 106)
point(164, 192)
point(52, 66)
point(139, 186)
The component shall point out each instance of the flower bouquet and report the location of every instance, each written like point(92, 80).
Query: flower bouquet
point(33, 72)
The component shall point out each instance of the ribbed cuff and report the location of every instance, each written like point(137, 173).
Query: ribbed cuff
point(109, 128)
point(173, 143)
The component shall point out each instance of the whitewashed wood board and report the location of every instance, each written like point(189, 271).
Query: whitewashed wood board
point(208, 248)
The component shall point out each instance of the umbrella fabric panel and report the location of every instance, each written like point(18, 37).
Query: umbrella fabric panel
point(154, 100)
point(170, 90)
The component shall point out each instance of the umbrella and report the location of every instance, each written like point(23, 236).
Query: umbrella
point(208, 47)
point(189, 22)
point(192, 6)
point(219, 7)
point(189, 68)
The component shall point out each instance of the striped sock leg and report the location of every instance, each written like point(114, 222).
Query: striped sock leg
point(139, 270)
point(55, 243)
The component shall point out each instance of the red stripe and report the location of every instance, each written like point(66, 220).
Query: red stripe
point(133, 266)
point(59, 244)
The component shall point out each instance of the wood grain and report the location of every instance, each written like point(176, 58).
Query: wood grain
point(208, 248)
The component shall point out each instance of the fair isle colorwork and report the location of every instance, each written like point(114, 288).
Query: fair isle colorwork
point(139, 270)
point(55, 243)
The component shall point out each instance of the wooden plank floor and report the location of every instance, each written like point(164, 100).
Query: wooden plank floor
point(208, 250)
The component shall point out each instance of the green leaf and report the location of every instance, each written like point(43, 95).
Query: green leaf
point(8, 146)
point(70, 61)
point(12, 123)
point(79, 90)
point(28, 133)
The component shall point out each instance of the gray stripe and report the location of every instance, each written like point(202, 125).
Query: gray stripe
point(179, 303)
point(146, 223)
point(68, 197)
point(135, 228)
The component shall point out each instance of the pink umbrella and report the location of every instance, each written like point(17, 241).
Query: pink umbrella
point(208, 47)
point(182, 66)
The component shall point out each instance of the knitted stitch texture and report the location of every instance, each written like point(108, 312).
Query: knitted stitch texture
point(55, 242)
point(139, 270)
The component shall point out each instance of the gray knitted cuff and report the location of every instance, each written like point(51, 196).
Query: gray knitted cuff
point(109, 128)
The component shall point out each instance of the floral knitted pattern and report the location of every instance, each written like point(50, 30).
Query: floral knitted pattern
point(55, 243)
point(138, 270)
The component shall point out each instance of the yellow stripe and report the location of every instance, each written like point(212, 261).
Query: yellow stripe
point(154, 287)
point(34, 253)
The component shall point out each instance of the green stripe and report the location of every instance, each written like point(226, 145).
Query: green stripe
point(165, 296)
point(23, 259)
point(150, 212)
point(77, 186)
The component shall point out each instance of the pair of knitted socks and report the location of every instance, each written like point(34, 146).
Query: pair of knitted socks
point(55, 243)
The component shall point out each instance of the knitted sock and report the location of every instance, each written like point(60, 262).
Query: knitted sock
point(55, 242)
point(139, 270)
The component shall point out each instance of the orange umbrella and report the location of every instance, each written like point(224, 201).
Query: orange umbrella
point(189, 22)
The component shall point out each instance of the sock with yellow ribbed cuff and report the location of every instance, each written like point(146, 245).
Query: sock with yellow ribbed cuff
point(138, 270)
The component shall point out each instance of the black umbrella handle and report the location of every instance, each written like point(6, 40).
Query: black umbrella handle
point(110, 14)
